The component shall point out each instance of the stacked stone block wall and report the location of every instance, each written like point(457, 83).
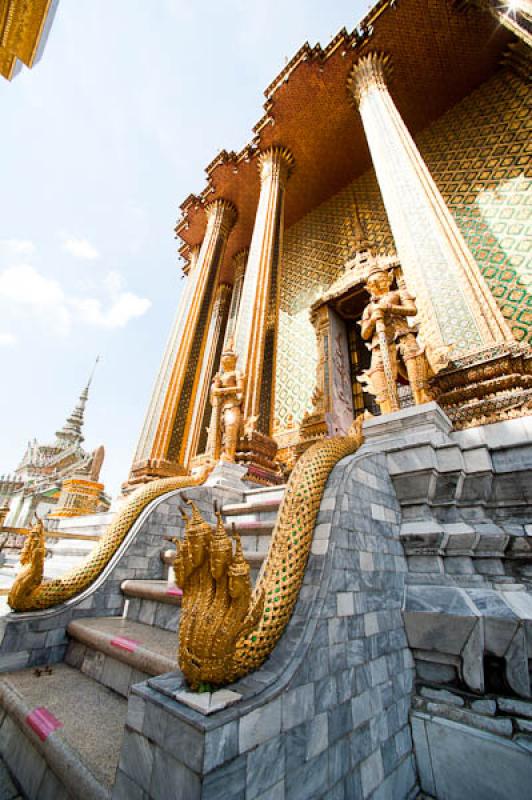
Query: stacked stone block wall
point(32, 639)
point(327, 714)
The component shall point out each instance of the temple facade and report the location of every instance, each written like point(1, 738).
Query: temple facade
point(318, 585)
point(373, 152)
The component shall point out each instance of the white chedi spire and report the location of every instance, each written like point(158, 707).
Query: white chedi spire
point(71, 432)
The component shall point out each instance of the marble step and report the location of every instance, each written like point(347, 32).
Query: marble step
point(155, 603)
point(119, 652)
point(241, 513)
point(76, 754)
point(265, 493)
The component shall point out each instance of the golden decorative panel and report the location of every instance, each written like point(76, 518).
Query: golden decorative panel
point(479, 155)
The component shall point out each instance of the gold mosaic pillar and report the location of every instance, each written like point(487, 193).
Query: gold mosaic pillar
point(163, 377)
point(239, 265)
point(164, 442)
point(239, 268)
point(455, 306)
point(257, 319)
point(210, 360)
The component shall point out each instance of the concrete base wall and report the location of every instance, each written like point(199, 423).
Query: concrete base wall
point(328, 713)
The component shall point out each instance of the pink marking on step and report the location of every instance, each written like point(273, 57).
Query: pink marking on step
point(125, 644)
point(43, 722)
point(175, 590)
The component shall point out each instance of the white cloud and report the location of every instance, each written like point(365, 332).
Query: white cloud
point(27, 290)
point(125, 307)
point(113, 281)
point(80, 248)
point(7, 340)
point(17, 247)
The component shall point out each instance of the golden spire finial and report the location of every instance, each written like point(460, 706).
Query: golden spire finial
point(239, 565)
point(219, 538)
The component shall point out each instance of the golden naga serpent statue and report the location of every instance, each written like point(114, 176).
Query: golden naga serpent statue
point(30, 593)
point(226, 629)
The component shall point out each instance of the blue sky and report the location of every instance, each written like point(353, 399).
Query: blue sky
point(99, 145)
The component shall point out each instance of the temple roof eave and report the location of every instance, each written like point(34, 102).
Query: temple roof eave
point(311, 89)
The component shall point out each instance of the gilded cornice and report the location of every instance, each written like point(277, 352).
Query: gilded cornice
point(304, 104)
point(21, 27)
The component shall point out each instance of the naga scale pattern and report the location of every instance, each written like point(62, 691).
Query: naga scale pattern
point(281, 576)
point(51, 593)
point(209, 618)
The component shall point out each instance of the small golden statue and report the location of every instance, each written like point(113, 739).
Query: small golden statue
point(216, 607)
point(227, 396)
point(393, 343)
point(32, 558)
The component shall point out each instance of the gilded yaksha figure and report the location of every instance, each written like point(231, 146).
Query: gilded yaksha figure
point(32, 558)
point(227, 395)
point(393, 343)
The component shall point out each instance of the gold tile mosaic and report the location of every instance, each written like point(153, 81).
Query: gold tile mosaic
point(479, 154)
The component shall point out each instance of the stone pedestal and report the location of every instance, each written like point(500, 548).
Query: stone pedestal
point(227, 476)
point(257, 452)
point(413, 425)
point(78, 496)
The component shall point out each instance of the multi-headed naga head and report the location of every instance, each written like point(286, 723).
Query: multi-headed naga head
point(221, 549)
point(238, 572)
point(197, 534)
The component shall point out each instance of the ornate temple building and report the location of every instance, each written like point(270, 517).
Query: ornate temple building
point(371, 151)
point(318, 583)
point(24, 28)
point(57, 479)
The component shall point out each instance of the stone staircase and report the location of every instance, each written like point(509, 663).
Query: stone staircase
point(61, 725)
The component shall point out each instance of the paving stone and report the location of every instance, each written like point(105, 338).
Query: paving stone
point(172, 780)
point(228, 781)
point(260, 725)
point(265, 767)
point(484, 706)
point(318, 737)
point(308, 781)
point(371, 772)
point(298, 706)
point(125, 788)
point(221, 745)
point(136, 759)
point(518, 707)
point(442, 696)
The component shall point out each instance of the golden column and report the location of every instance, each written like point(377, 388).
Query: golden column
point(239, 268)
point(211, 357)
point(455, 306)
point(256, 326)
point(164, 438)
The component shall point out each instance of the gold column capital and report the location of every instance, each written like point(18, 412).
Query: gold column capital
point(276, 162)
point(372, 71)
point(239, 264)
point(222, 297)
point(222, 211)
